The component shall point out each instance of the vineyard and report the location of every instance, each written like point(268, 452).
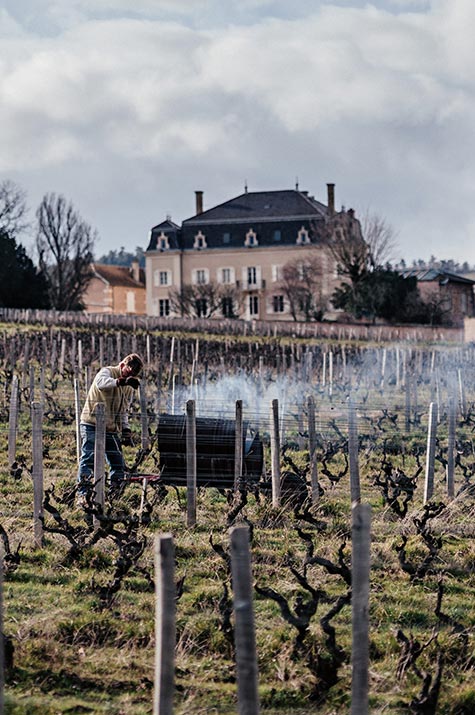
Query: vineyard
point(79, 587)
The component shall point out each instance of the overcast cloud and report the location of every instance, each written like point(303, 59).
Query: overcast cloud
point(126, 107)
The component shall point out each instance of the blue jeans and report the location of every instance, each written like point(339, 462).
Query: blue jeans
point(114, 457)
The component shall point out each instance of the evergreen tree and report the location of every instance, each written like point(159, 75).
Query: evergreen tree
point(21, 284)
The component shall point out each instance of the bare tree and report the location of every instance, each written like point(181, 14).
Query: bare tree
point(65, 244)
point(12, 209)
point(347, 246)
point(380, 238)
point(301, 284)
point(204, 300)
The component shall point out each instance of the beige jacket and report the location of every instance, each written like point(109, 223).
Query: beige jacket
point(116, 400)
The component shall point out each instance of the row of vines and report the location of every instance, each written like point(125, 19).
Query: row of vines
point(78, 614)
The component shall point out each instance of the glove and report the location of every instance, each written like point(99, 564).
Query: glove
point(127, 440)
point(132, 382)
point(121, 381)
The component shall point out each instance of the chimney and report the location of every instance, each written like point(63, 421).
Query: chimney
point(199, 202)
point(331, 198)
point(135, 270)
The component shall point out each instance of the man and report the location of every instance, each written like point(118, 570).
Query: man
point(113, 387)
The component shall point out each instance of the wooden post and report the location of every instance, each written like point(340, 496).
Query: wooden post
point(353, 455)
point(37, 436)
point(430, 455)
point(451, 451)
point(246, 657)
point(407, 385)
point(99, 457)
point(165, 630)
point(77, 411)
point(62, 355)
point(32, 383)
point(361, 538)
point(312, 449)
point(275, 452)
point(13, 421)
point(190, 463)
point(462, 398)
point(238, 451)
point(2, 638)
point(143, 416)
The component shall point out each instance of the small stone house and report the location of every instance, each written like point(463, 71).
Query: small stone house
point(116, 289)
point(451, 292)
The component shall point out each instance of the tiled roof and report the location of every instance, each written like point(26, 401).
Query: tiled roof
point(119, 275)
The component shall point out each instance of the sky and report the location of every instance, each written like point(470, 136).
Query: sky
point(127, 107)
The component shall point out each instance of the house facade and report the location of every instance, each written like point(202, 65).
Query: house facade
point(116, 289)
point(253, 257)
point(452, 294)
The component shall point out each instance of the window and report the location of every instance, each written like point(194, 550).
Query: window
point(253, 305)
point(130, 301)
point(277, 235)
point(276, 273)
point(201, 307)
point(251, 238)
point(226, 237)
point(252, 276)
point(162, 242)
point(303, 237)
point(164, 307)
point(226, 275)
point(162, 278)
point(200, 241)
point(463, 303)
point(201, 276)
point(227, 307)
point(278, 303)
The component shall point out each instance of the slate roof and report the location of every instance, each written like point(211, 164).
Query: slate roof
point(263, 206)
point(275, 216)
point(118, 276)
point(170, 229)
point(432, 274)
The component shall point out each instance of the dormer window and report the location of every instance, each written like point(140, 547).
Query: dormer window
point(303, 237)
point(251, 238)
point(200, 241)
point(162, 242)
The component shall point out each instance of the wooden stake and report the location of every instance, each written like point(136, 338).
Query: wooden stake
point(246, 658)
point(190, 464)
point(165, 629)
point(430, 455)
point(275, 452)
point(361, 537)
point(37, 435)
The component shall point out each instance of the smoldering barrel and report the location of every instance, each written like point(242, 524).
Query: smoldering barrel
point(215, 450)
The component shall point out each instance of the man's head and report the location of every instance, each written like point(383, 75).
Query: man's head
point(131, 365)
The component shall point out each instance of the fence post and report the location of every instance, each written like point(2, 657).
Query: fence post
point(353, 454)
point(361, 538)
point(165, 634)
point(99, 458)
point(312, 448)
point(13, 421)
point(246, 657)
point(430, 455)
point(190, 463)
point(238, 446)
point(451, 451)
point(37, 437)
point(275, 452)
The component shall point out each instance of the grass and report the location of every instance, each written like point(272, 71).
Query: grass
point(72, 654)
